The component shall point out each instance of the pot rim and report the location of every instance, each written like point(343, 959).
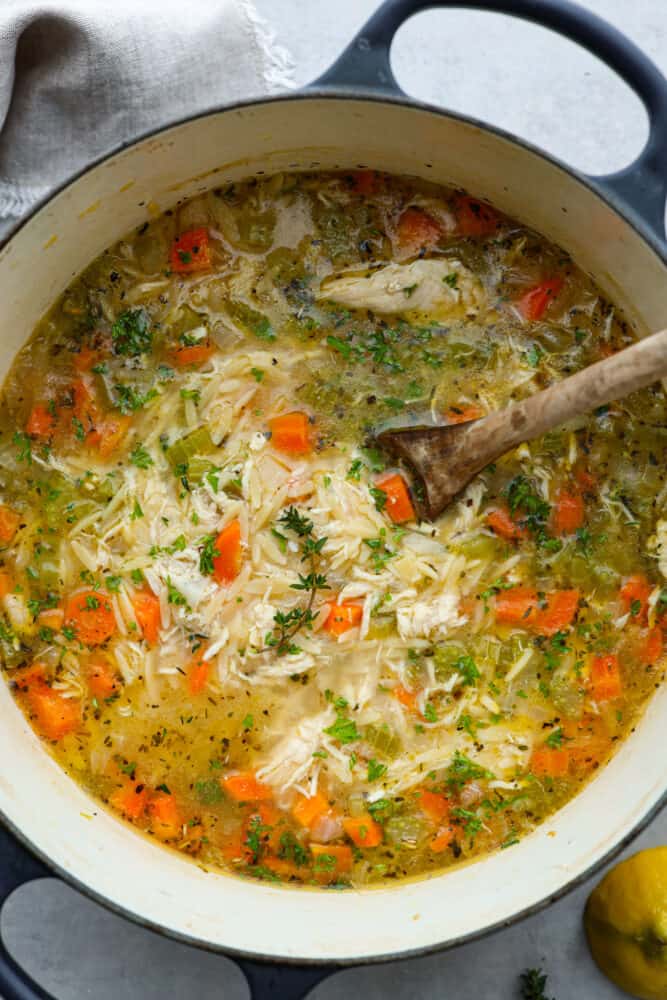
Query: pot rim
point(614, 202)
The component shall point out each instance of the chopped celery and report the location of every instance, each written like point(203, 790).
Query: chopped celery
point(181, 452)
point(382, 739)
point(251, 320)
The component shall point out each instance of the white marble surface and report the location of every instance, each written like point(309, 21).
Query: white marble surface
point(544, 89)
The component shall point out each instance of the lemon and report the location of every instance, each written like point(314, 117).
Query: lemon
point(626, 924)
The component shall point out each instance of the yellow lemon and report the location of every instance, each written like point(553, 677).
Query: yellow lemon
point(626, 924)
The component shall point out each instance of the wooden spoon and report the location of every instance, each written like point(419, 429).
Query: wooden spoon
point(447, 457)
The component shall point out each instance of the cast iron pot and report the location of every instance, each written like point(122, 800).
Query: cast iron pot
point(355, 115)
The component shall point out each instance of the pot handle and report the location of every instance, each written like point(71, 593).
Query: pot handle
point(641, 187)
point(17, 866)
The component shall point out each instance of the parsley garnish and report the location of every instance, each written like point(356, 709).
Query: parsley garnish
point(533, 984)
point(140, 457)
point(376, 770)
point(344, 730)
point(131, 333)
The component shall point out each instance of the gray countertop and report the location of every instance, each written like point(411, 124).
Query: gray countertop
point(548, 91)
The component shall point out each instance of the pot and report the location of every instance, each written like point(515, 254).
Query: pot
point(355, 115)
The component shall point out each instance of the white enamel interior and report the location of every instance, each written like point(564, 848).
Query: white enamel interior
point(102, 853)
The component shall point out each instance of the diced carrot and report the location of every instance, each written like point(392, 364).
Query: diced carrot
point(282, 867)
point(517, 606)
point(198, 673)
point(308, 809)
point(589, 741)
point(533, 305)
point(568, 512)
point(244, 787)
point(166, 820)
point(364, 182)
point(435, 806)
point(475, 218)
point(290, 433)
point(363, 830)
point(41, 422)
point(109, 434)
point(550, 762)
point(194, 354)
point(54, 715)
point(87, 358)
point(652, 650)
point(341, 854)
point(6, 583)
point(408, 699)
point(9, 522)
point(399, 505)
point(635, 593)
point(90, 614)
point(131, 800)
point(584, 478)
point(52, 618)
point(190, 252)
point(342, 617)
point(102, 679)
point(500, 522)
point(147, 610)
point(442, 840)
point(605, 678)
point(227, 562)
point(85, 407)
point(462, 414)
point(561, 607)
point(417, 230)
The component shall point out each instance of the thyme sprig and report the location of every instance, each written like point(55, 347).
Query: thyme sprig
point(289, 623)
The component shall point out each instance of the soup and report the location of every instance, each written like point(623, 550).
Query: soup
point(220, 609)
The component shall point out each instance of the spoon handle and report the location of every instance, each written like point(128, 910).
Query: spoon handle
point(633, 368)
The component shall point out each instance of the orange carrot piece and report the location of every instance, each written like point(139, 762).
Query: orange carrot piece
point(166, 820)
point(550, 762)
point(652, 650)
point(473, 217)
point(533, 305)
point(6, 584)
point(130, 800)
point(635, 593)
point(52, 618)
point(501, 523)
point(290, 433)
point(442, 840)
point(561, 608)
point(585, 479)
point(84, 406)
point(54, 715)
point(90, 614)
point(195, 354)
point(417, 230)
point(109, 434)
point(364, 182)
point(244, 787)
point(341, 854)
point(435, 806)
point(102, 680)
point(408, 699)
point(568, 513)
point(308, 809)
point(605, 678)
point(399, 505)
point(147, 610)
point(41, 422)
point(516, 606)
point(198, 673)
point(9, 522)
point(462, 414)
point(227, 562)
point(363, 830)
point(281, 867)
point(343, 617)
point(190, 252)
point(87, 358)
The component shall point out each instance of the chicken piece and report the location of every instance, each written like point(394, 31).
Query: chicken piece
point(426, 619)
point(444, 287)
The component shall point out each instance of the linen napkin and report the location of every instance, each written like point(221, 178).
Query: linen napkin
point(77, 77)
